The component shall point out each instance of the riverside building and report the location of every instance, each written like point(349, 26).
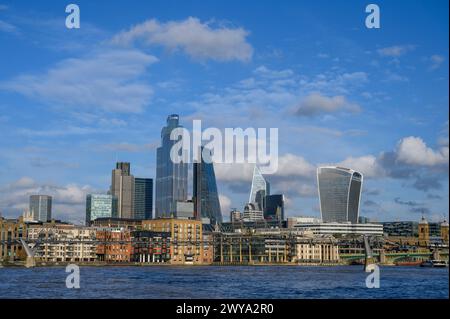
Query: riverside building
point(62, 242)
point(186, 234)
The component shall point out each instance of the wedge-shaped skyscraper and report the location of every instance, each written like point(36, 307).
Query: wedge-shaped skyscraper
point(339, 194)
point(206, 197)
point(260, 189)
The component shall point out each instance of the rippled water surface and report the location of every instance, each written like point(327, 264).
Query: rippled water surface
point(224, 282)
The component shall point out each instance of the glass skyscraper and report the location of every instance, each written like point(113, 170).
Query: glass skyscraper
point(41, 207)
point(143, 198)
point(206, 197)
point(274, 207)
point(171, 178)
point(99, 206)
point(339, 194)
point(260, 189)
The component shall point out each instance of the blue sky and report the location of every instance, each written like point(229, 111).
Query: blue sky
point(73, 101)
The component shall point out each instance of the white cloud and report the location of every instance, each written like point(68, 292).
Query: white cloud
point(234, 172)
point(413, 150)
point(273, 74)
point(316, 103)
point(225, 204)
point(23, 182)
point(7, 27)
point(292, 165)
point(396, 50)
point(436, 61)
point(109, 81)
point(198, 40)
point(367, 165)
point(69, 201)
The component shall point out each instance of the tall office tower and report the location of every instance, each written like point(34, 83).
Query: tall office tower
point(274, 207)
point(260, 189)
point(122, 186)
point(235, 216)
point(41, 207)
point(124, 167)
point(143, 198)
point(171, 178)
point(205, 195)
point(339, 194)
point(100, 206)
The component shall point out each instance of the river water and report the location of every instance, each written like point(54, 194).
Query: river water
point(225, 282)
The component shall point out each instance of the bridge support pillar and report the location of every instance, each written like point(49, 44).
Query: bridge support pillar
point(382, 256)
point(30, 262)
point(367, 262)
point(436, 255)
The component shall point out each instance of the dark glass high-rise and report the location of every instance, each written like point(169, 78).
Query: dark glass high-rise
point(171, 178)
point(274, 207)
point(206, 197)
point(143, 198)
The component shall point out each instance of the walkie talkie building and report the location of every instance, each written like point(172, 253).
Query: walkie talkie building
point(339, 194)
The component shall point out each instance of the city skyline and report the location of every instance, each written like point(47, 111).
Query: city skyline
point(339, 93)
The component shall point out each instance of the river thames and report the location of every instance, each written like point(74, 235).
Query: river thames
point(219, 282)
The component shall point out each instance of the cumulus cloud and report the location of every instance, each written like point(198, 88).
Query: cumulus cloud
point(109, 81)
point(225, 204)
point(69, 201)
point(413, 150)
point(396, 50)
point(199, 40)
point(234, 172)
point(295, 177)
point(293, 165)
point(316, 103)
point(367, 165)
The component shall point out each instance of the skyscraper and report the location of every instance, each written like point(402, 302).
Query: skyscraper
point(339, 194)
point(274, 207)
point(206, 197)
point(122, 186)
point(41, 207)
point(100, 206)
point(143, 198)
point(260, 189)
point(171, 178)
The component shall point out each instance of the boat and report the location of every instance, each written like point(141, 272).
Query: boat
point(434, 263)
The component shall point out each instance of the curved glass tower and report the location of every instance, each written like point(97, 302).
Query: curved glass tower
point(339, 194)
point(206, 197)
point(171, 178)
